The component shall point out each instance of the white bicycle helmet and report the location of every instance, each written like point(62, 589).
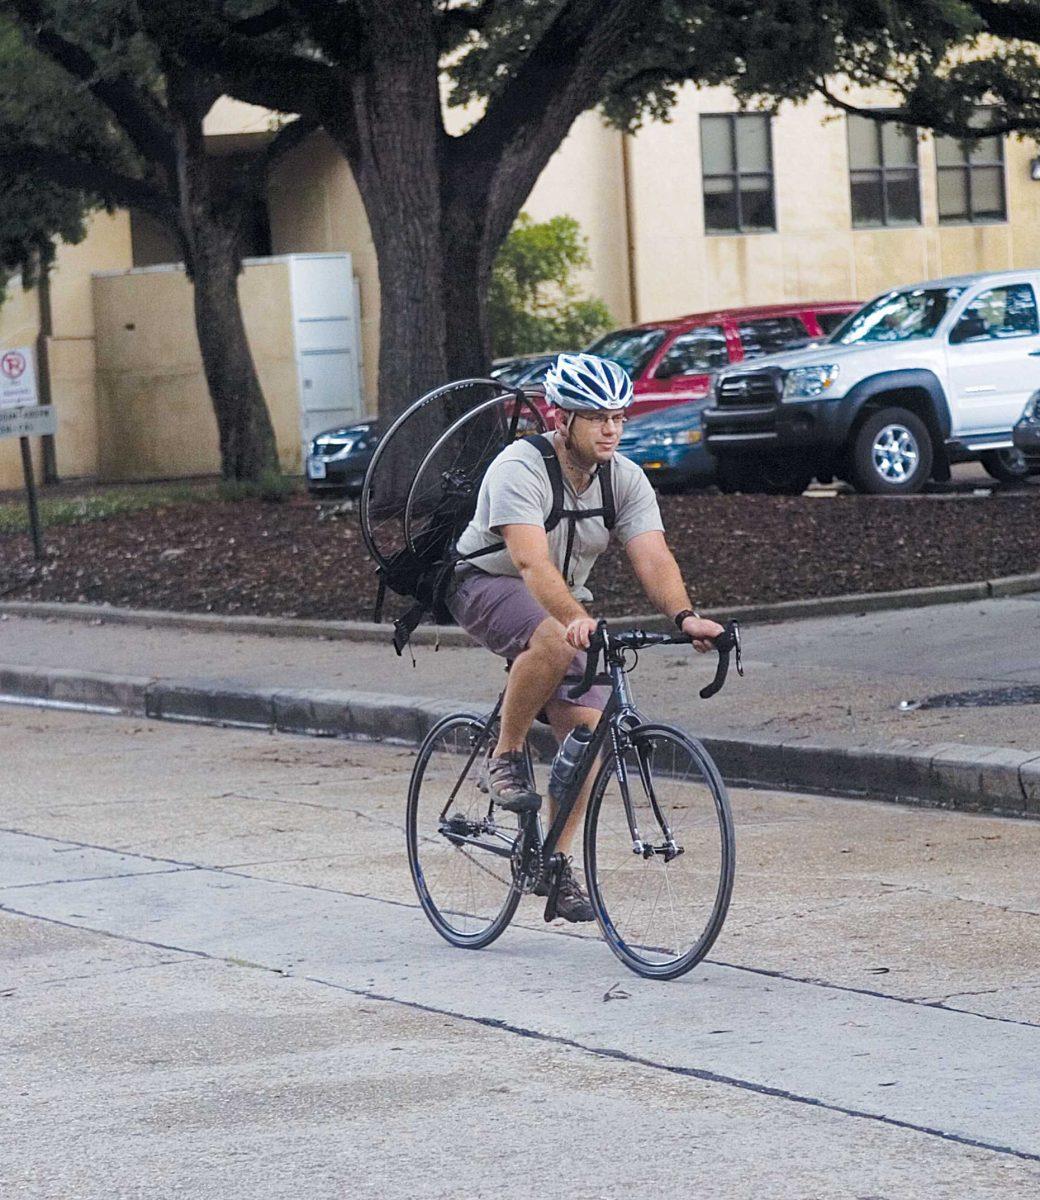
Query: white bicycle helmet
point(586, 383)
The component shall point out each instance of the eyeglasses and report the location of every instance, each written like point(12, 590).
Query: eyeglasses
point(604, 419)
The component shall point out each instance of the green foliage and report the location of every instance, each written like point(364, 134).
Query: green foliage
point(533, 302)
point(39, 108)
point(101, 505)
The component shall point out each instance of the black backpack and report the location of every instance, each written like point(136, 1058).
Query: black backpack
point(425, 572)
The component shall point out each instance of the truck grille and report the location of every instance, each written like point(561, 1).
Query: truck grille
point(744, 391)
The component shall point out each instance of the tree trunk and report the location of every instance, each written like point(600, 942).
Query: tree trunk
point(210, 240)
point(247, 444)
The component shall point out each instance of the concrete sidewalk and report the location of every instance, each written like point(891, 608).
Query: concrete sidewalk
point(819, 709)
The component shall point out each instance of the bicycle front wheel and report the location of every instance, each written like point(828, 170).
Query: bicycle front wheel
point(460, 848)
point(659, 852)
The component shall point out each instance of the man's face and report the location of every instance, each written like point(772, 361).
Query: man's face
point(590, 439)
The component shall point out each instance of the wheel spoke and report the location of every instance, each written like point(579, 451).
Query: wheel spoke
point(661, 914)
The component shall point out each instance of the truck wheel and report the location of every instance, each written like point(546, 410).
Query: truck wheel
point(1008, 466)
point(892, 454)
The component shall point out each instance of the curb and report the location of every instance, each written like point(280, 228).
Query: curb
point(946, 775)
point(451, 635)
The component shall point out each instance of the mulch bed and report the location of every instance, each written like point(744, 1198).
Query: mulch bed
point(295, 560)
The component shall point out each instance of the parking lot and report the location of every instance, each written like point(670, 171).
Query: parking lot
point(216, 981)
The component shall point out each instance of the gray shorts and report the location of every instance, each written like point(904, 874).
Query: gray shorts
point(501, 614)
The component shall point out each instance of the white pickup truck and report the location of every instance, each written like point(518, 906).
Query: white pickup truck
point(921, 377)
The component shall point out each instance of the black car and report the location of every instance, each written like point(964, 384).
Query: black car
point(1027, 433)
point(339, 458)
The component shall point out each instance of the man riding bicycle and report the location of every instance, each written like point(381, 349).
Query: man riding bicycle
point(536, 544)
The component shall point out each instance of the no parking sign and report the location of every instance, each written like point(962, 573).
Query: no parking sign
point(17, 378)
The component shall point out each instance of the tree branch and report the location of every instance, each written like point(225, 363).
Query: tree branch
point(453, 24)
point(80, 175)
point(929, 118)
point(266, 22)
point(253, 70)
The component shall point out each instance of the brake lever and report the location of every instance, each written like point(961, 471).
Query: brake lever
point(728, 641)
point(596, 643)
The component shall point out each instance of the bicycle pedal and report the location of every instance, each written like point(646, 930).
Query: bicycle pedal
point(555, 879)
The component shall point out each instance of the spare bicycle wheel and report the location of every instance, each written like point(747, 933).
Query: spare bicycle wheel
point(454, 466)
point(392, 471)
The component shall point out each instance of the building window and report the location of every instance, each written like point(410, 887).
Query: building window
point(737, 162)
point(883, 173)
point(971, 179)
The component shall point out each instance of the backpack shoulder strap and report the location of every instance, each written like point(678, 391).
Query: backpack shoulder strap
point(606, 484)
point(555, 473)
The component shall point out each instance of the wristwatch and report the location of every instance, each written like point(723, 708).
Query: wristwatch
point(681, 616)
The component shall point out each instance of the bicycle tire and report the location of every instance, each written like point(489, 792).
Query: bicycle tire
point(463, 452)
point(467, 888)
point(626, 889)
point(382, 505)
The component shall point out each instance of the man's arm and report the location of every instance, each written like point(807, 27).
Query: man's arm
point(528, 547)
point(661, 579)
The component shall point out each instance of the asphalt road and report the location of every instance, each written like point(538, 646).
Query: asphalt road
point(215, 981)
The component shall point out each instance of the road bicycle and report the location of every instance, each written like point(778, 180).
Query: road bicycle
point(659, 847)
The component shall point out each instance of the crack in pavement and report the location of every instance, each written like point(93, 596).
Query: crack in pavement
point(43, 983)
point(813, 981)
point(14, 887)
point(954, 898)
point(702, 1074)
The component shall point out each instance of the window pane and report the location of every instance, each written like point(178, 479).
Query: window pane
point(632, 348)
point(756, 202)
point(717, 146)
point(720, 205)
point(987, 150)
point(899, 145)
point(999, 313)
point(953, 194)
point(902, 197)
point(828, 322)
point(866, 198)
point(752, 143)
point(863, 143)
point(771, 335)
point(702, 349)
point(987, 193)
point(949, 152)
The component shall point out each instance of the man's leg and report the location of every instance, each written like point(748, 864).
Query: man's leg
point(534, 676)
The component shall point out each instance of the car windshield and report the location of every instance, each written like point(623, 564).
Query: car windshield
point(897, 316)
point(631, 348)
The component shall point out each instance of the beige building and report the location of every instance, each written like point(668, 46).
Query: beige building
point(714, 209)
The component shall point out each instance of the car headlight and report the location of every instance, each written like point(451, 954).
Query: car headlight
point(803, 382)
point(330, 446)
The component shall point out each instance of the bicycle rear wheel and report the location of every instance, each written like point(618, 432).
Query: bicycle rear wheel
point(659, 852)
point(460, 848)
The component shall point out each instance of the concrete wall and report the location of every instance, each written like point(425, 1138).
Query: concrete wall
point(71, 349)
point(155, 419)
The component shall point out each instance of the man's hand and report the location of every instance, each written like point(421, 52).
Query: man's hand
point(581, 629)
point(699, 630)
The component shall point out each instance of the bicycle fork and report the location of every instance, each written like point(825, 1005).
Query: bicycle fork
point(669, 848)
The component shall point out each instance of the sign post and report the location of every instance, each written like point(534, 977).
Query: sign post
point(21, 416)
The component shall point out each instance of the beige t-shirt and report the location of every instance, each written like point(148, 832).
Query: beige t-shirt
point(516, 491)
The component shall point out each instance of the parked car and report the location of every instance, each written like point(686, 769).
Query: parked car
point(674, 361)
point(339, 458)
point(669, 446)
point(525, 370)
point(921, 377)
point(1026, 434)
